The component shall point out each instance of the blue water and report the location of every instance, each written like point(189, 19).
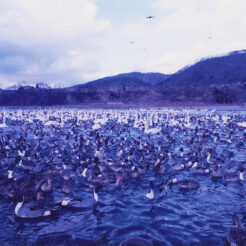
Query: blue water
point(197, 217)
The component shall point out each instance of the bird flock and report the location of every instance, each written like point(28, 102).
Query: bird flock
point(47, 155)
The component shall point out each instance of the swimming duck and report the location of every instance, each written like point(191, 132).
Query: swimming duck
point(178, 167)
point(77, 203)
point(10, 174)
point(237, 175)
point(95, 191)
point(187, 185)
point(236, 235)
point(135, 171)
point(30, 210)
point(159, 167)
point(85, 170)
point(183, 184)
point(160, 191)
point(216, 173)
point(150, 195)
point(241, 173)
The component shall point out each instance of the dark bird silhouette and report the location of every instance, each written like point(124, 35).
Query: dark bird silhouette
point(150, 17)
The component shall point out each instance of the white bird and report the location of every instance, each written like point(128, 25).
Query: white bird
point(10, 174)
point(84, 172)
point(208, 158)
point(65, 202)
point(2, 125)
point(242, 124)
point(150, 195)
point(21, 154)
point(29, 211)
point(95, 195)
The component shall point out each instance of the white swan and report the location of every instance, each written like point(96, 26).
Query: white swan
point(242, 124)
point(3, 125)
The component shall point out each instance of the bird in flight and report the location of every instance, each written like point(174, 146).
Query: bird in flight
point(150, 17)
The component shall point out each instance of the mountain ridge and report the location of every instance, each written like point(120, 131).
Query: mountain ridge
point(225, 69)
point(214, 80)
point(125, 79)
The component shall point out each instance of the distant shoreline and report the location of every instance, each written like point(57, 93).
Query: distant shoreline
point(239, 107)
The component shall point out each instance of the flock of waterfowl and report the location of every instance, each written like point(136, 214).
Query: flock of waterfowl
point(49, 157)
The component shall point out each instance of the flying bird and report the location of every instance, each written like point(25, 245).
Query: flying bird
point(150, 17)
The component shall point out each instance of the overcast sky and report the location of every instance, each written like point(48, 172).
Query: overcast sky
point(67, 42)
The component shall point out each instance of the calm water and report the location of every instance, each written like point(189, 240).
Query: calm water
point(198, 217)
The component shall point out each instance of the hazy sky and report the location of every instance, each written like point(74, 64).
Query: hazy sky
point(68, 42)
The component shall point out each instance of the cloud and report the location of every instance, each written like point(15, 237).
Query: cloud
point(196, 28)
point(68, 42)
point(37, 40)
point(184, 32)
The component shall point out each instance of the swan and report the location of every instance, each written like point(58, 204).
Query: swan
point(3, 125)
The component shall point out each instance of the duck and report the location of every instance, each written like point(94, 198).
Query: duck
point(199, 170)
point(183, 184)
point(156, 192)
point(216, 172)
point(241, 173)
point(85, 170)
point(159, 168)
point(21, 153)
point(181, 150)
point(231, 169)
point(237, 175)
point(186, 185)
point(45, 185)
point(95, 195)
point(135, 172)
point(10, 174)
point(77, 203)
point(150, 195)
point(31, 210)
point(236, 235)
point(172, 179)
point(3, 124)
point(178, 167)
point(160, 191)
point(210, 153)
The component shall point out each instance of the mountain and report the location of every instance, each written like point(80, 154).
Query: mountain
point(217, 80)
point(134, 79)
point(13, 87)
point(19, 85)
point(26, 85)
point(148, 78)
point(221, 70)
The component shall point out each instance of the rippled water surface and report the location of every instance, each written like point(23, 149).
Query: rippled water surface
point(194, 217)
